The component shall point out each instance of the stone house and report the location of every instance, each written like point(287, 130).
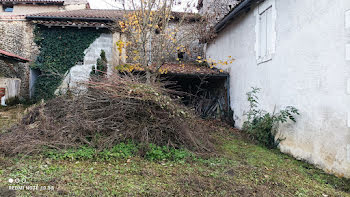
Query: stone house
point(18, 29)
point(24, 7)
point(100, 20)
point(298, 53)
point(17, 32)
point(105, 21)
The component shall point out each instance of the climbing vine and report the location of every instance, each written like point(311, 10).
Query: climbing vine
point(60, 50)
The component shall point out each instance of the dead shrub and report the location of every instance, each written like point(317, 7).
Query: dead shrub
point(113, 110)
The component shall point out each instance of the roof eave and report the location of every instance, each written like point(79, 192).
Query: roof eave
point(23, 60)
point(34, 3)
point(234, 13)
point(68, 18)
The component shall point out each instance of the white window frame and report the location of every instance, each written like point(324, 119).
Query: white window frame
point(267, 4)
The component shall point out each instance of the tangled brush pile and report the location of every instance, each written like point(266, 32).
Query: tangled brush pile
point(114, 110)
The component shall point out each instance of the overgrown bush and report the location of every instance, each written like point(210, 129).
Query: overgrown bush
point(261, 125)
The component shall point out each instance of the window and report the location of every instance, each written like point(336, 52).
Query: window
point(7, 8)
point(266, 34)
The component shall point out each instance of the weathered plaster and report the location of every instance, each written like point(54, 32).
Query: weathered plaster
point(309, 71)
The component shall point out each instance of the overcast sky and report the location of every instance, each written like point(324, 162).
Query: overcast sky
point(111, 4)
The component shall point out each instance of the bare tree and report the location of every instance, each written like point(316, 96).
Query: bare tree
point(154, 35)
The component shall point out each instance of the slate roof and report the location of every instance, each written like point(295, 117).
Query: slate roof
point(13, 56)
point(34, 1)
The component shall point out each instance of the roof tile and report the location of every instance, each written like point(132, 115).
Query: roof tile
point(98, 14)
point(81, 14)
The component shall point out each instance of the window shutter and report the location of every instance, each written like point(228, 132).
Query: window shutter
point(263, 31)
point(268, 31)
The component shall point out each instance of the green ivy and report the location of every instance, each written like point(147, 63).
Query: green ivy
point(60, 50)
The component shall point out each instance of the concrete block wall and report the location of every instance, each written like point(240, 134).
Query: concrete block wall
point(104, 42)
point(81, 73)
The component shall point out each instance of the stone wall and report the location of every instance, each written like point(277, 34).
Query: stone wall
point(17, 37)
point(217, 9)
point(24, 9)
point(81, 73)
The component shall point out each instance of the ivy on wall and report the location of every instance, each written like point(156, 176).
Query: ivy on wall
point(60, 50)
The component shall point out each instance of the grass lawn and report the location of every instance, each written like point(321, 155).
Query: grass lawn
point(240, 168)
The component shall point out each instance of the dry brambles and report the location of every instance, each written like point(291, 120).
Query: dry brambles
point(113, 110)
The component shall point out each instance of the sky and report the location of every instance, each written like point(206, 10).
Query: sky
point(111, 4)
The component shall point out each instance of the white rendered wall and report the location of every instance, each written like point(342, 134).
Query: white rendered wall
point(309, 70)
point(81, 73)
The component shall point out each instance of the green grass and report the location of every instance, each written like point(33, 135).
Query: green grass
point(242, 169)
